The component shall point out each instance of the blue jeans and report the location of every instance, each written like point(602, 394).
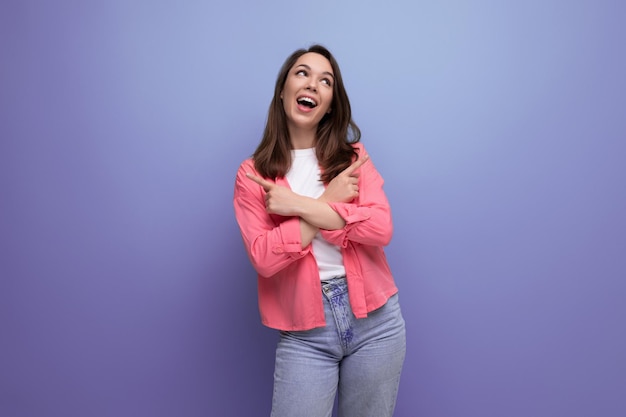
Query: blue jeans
point(361, 359)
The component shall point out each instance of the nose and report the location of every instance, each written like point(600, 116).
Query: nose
point(311, 86)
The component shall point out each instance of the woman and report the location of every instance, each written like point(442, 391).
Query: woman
point(314, 220)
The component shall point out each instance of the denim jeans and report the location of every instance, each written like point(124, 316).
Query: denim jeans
point(360, 359)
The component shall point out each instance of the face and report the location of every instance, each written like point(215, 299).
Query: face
point(308, 91)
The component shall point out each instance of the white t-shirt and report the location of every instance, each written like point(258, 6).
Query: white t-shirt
point(304, 179)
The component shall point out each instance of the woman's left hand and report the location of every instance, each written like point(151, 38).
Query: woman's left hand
point(278, 199)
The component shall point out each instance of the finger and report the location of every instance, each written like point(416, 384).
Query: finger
point(263, 183)
point(356, 165)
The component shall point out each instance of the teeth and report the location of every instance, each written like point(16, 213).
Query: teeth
point(308, 100)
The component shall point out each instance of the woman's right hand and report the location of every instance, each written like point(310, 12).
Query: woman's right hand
point(345, 186)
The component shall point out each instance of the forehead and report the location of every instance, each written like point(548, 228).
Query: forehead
point(315, 61)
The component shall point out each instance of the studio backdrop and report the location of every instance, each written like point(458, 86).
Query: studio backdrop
point(499, 128)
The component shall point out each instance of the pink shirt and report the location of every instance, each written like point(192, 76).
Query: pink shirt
point(289, 287)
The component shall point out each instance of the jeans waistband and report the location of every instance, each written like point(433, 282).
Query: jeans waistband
point(335, 286)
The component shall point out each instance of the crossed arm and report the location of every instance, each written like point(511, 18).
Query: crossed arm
point(315, 214)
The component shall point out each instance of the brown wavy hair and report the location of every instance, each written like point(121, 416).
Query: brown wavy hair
point(335, 132)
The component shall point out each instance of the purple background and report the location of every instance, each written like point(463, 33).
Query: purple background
point(500, 130)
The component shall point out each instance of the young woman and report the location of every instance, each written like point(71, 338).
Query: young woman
point(314, 220)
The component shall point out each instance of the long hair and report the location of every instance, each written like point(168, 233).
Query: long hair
point(335, 132)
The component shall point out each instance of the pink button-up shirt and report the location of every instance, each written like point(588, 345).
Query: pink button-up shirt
point(289, 286)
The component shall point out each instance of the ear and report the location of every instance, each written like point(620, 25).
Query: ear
point(329, 110)
point(281, 95)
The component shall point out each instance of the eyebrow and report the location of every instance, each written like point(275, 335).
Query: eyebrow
point(309, 68)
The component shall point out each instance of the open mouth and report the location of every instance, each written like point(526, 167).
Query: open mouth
point(307, 102)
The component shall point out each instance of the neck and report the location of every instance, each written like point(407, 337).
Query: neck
point(302, 138)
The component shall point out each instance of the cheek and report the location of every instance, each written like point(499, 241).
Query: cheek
point(285, 104)
point(290, 86)
point(328, 100)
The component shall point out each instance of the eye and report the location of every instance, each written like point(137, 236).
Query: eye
point(301, 72)
point(327, 82)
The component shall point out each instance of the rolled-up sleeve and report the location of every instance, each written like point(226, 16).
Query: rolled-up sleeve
point(368, 217)
point(273, 242)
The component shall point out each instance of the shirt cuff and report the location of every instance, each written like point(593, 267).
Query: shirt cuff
point(291, 242)
point(351, 213)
